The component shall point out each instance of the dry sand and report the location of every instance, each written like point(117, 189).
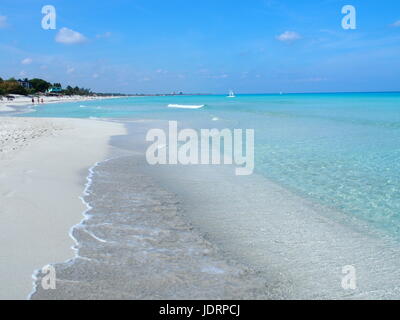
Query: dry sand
point(7, 106)
point(43, 165)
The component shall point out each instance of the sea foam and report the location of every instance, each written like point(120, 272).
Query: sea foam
point(181, 106)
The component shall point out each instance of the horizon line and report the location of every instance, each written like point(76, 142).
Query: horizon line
point(259, 93)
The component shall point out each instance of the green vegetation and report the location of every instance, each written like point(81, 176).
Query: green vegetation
point(38, 86)
point(11, 86)
point(77, 91)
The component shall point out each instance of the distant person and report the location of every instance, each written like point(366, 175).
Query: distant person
point(33, 101)
point(42, 100)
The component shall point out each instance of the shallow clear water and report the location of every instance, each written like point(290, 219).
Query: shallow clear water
point(342, 150)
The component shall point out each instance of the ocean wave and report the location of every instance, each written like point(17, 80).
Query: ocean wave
point(141, 226)
point(182, 106)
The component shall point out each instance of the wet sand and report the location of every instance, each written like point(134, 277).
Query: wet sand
point(135, 244)
point(43, 165)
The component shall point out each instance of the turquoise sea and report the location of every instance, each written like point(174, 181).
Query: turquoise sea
point(342, 149)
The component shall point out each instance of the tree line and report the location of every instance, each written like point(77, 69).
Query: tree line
point(36, 86)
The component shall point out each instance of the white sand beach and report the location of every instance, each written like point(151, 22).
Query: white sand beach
point(18, 101)
point(43, 166)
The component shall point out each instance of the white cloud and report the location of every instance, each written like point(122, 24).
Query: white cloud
point(68, 36)
point(396, 24)
point(288, 36)
point(22, 74)
point(3, 22)
point(95, 75)
point(70, 70)
point(27, 61)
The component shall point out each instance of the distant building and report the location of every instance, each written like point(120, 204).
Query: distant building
point(25, 84)
point(55, 90)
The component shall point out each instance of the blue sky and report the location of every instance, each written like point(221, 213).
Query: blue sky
point(252, 46)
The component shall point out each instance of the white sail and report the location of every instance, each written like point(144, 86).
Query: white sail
point(231, 94)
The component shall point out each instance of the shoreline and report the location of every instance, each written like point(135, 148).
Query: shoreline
point(33, 187)
point(26, 101)
point(75, 248)
point(135, 244)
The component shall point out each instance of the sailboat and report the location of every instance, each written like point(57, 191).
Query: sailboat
point(231, 94)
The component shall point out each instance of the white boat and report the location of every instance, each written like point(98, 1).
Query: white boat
point(231, 94)
point(182, 106)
